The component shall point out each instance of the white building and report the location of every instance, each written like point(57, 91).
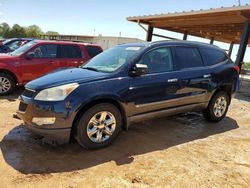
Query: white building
point(107, 41)
point(104, 41)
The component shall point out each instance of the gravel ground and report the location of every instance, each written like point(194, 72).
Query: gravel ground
point(179, 151)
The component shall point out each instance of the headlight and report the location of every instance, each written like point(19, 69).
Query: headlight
point(58, 93)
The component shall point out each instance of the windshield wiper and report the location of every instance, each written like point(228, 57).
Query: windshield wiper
point(91, 68)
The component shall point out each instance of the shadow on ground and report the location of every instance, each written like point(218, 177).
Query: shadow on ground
point(14, 96)
point(243, 95)
point(29, 155)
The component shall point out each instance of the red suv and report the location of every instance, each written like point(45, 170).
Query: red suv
point(38, 57)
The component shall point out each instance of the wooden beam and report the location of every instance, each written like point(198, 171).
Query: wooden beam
point(243, 43)
point(185, 36)
point(196, 21)
point(149, 33)
point(230, 49)
point(212, 40)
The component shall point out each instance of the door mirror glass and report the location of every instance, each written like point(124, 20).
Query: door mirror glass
point(30, 55)
point(139, 70)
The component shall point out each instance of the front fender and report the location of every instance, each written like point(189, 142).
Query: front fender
point(7, 69)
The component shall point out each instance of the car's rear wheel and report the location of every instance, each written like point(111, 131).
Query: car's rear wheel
point(217, 107)
point(7, 84)
point(98, 126)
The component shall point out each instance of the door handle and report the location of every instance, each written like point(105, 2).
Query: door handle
point(207, 76)
point(172, 80)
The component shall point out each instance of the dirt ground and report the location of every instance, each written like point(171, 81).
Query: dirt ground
point(180, 151)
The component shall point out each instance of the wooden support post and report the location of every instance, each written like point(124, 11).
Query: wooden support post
point(149, 33)
point(243, 44)
point(212, 40)
point(230, 49)
point(185, 36)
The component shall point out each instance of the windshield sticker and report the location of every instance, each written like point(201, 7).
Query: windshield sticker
point(133, 48)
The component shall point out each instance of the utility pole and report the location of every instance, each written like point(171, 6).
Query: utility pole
point(239, 3)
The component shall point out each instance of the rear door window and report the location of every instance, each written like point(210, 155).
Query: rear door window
point(188, 57)
point(212, 57)
point(70, 51)
point(93, 50)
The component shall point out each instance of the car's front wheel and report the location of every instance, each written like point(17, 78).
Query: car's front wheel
point(98, 126)
point(217, 107)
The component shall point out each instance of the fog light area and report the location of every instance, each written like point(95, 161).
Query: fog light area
point(43, 120)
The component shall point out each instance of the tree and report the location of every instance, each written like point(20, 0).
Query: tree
point(15, 32)
point(4, 27)
point(52, 33)
point(33, 31)
point(18, 31)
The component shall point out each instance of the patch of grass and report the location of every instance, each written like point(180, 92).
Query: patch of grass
point(246, 65)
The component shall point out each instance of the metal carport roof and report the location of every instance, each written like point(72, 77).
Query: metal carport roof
point(230, 25)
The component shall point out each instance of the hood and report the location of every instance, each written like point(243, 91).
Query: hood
point(65, 76)
point(6, 56)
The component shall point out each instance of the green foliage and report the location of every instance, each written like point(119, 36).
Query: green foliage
point(4, 29)
point(52, 33)
point(246, 65)
point(17, 31)
point(33, 31)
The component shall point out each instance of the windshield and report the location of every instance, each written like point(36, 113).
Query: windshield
point(23, 49)
point(112, 59)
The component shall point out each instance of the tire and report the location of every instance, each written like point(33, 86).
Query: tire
point(88, 124)
point(7, 84)
point(217, 110)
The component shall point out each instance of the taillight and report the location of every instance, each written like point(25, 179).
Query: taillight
point(237, 68)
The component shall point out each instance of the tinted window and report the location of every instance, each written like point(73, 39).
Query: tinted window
point(188, 57)
point(212, 57)
point(70, 51)
point(93, 50)
point(158, 60)
point(45, 51)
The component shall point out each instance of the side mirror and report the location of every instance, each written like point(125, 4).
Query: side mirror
point(30, 55)
point(139, 70)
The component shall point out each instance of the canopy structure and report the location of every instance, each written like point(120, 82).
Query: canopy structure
point(229, 25)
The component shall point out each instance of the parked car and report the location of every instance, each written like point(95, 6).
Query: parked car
point(11, 45)
point(127, 84)
point(38, 57)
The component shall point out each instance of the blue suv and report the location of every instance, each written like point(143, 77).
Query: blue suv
point(127, 84)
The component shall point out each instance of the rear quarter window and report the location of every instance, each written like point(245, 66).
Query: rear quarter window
point(188, 57)
point(212, 56)
point(93, 50)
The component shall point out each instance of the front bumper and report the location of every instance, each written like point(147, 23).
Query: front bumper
point(58, 132)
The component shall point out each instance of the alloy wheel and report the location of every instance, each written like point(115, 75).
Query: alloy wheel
point(101, 126)
point(220, 106)
point(5, 85)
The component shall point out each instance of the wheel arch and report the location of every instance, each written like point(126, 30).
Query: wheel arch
point(96, 101)
point(226, 89)
point(9, 73)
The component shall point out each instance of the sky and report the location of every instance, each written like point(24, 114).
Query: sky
point(106, 17)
